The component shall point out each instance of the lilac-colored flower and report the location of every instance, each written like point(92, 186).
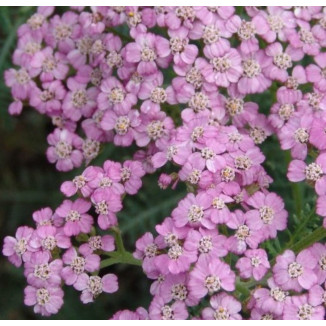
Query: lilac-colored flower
point(317, 74)
point(269, 215)
point(299, 308)
point(159, 310)
point(64, 149)
point(318, 250)
point(78, 265)
point(255, 264)
point(210, 276)
point(223, 307)
point(93, 286)
point(97, 242)
point(139, 314)
point(47, 300)
point(17, 249)
point(74, 217)
point(295, 273)
point(314, 172)
point(131, 173)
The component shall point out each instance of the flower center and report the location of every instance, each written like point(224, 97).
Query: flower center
point(322, 22)
point(212, 283)
point(185, 13)
point(167, 313)
point(197, 133)
point(125, 174)
point(79, 181)
point(102, 208)
point(199, 102)
point(275, 23)
point(221, 64)
point(78, 265)
point(205, 244)
point(32, 47)
point(267, 317)
point(266, 214)
point(242, 233)
point(90, 149)
point(207, 153)
point(322, 263)
point(313, 172)
point(36, 21)
point(194, 176)
point(22, 77)
point(63, 149)
point(243, 162)
point(46, 96)
point(234, 137)
point(171, 151)
point(155, 129)
point(20, 246)
point(158, 95)
point(292, 83)
point(175, 252)
point(106, 182)
point(285, 112)
point(255, 261)
point(251, 68)
point(179, 292)
point(79, 98)
point(221, 313)
point(234, 106)
point(147, 54)
point(117, 95)
point(295, 270)
point(246, 30)
point(42, 296)
point(301, 135)
point(151, 250)
point(314, 100)
point(95, 242)
point(49, 243)
point(218, 203)
point(62, 32)
point(94, 285)
point(283, 60)
point(278, 295)
point(211, 34)
point(306, 36)
point(42, 271)
point(114, 59)
point(122, 125)
point(96, 78)
point(84, 45)
point(177, 44)
point(171, 239)
point(258, 135)
point(227, 174)
point(134, 18)
point(195, 213)
point(305, 312)
point(73, 216)
point(97, 47)
point(194, 77)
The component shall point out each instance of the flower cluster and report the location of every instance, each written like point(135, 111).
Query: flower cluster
point(66, 246)
point(184, 85)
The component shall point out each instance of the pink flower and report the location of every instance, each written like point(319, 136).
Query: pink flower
point(17, 249)
point(64, 149)
point(317, 74)
point(78, 265)
point(47, 300)
point(299, 308)
point(139, 314)
point(148, 51)
point(97, 242)
point(158, 310)
point(318, 250)
point(39, 271)
point(192, 211)
point(210, 276)
point(255, 263)
point(269, 215)
point(131, 174)
point(73, 214)
point(223, 307)
point(314, 173)
point(295, 273)
point(254, 77)
point(93, 286)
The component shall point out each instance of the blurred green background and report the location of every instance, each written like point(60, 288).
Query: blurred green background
point(28, 182)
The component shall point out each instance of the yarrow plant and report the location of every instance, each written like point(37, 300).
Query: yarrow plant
point(184, 88)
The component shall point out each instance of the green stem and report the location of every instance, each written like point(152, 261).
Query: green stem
point(120, 258)
point(118, 240)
